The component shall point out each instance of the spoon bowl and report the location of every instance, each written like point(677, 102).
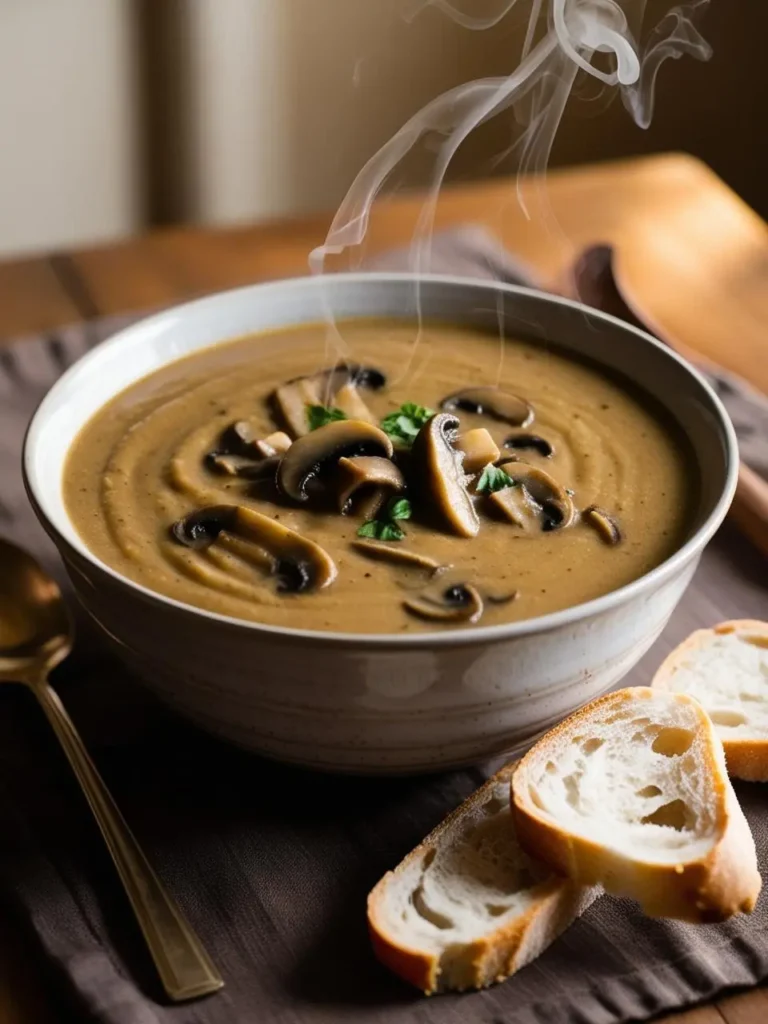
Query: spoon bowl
point(36, 633)
point(35, 626)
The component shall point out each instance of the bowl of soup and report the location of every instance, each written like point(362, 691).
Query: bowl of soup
point(368, 524)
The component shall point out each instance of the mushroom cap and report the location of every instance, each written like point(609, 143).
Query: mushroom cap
point(299, 564)
point(367, 471)
point(311, 454)
point(520, 442)
point(501, 405)
point(438, 467)
point(458, 602)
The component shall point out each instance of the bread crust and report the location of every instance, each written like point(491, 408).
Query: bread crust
point(556, 904)
point(721, 883)
point(746, 758)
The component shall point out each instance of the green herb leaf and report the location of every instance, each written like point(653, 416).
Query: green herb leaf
point(386, 528)
point(378, 529)
point(320, 415)
point(493, 479)
point(404, 424)
point(399, 508)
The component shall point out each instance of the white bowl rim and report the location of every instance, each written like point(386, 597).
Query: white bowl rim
point(428, 639)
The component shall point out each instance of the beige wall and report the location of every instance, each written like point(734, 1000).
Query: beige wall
point(69, 152)
point(269, 107)
point(290, 97)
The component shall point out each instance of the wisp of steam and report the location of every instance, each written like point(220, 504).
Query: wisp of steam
point(562, 40)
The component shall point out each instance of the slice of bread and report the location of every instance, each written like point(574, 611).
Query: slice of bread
point(632, 793)
point(468, 907)
point(726, 670)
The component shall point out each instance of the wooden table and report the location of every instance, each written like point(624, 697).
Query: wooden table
point(688, 252)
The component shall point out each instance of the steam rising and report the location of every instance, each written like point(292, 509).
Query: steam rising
point(538, 90)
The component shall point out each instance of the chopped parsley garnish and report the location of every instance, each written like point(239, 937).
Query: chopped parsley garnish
point(399, 508)
point(380, 530)
point(404, 423)
point(386, 528)
point(320, 415)
point(493, 479)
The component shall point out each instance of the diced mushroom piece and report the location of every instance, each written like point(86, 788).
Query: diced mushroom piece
point(299, 564)
point(438, 468)
point(460, 602)
point(604, 524)
point(277, 443)
point(479, 449)
point(522, 442)
point(379, 478)
point(313, 454)
point(324, 388)
point(541, 497)
point(242, 466)
point(492, 402)
point(395, 553)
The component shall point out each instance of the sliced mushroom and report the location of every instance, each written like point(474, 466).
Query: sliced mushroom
point(541, 498)
point(492, 402)
point(312, 454)
point(395, 553)
point(242, 466)
point(241, 454)
point(238, 439)
point(291, 401)
point(324, 388)
point(521, 442)
point(479, 449)
point(438, 469)
point(299, 565)
point(604, 523)
point(460, 602)
point(517, 505)
point(379, 477)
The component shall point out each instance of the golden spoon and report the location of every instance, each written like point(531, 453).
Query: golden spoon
point(35, 635)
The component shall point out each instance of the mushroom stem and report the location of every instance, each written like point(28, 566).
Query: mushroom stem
point(380, 477)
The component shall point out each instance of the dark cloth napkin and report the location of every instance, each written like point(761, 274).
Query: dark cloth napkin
point(271, 864)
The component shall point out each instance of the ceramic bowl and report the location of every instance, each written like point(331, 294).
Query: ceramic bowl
point(378, 703)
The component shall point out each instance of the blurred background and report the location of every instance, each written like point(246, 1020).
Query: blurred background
point(120, 115)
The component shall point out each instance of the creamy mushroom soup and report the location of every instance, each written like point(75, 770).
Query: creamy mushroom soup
point(403, 488)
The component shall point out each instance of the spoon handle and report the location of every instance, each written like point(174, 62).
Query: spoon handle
point(185, 968)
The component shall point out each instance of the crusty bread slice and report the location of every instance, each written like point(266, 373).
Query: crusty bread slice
point(468, 907)
point(632, 793)
point(726, 670)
